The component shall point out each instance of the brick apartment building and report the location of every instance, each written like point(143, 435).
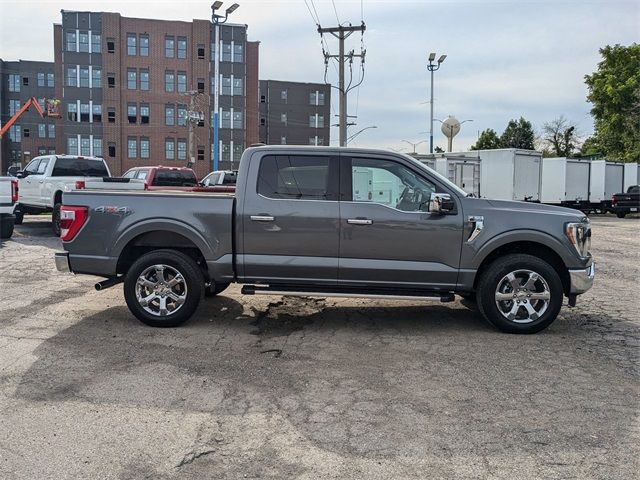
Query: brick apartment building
point(294, 113)
point(32, 135)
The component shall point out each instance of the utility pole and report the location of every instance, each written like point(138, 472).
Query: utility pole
point(432, 67)
point(194, 117)
point(342, 33)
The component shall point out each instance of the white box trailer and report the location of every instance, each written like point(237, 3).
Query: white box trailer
point(630, 175)
point(510, 174)
point(607, 178)
point(565, 181)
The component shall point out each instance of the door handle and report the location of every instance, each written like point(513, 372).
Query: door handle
point(360, 221)
point(41, 181)
point(262, 218)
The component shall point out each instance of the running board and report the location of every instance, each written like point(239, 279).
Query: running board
point(427, 296)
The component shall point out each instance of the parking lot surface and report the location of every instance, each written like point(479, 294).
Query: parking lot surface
point(270, 387)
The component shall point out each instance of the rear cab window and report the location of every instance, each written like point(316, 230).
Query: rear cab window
point(79, 167)
point(298, 177)
point(174, 178)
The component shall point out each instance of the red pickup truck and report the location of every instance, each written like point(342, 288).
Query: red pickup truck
point(170, 178)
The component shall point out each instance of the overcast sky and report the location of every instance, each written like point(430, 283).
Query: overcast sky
point(504, 58)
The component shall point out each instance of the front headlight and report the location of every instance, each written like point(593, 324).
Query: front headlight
point(579, 234)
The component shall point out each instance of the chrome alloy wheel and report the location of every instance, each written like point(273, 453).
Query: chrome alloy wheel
point(161, 290)
point(522, 296)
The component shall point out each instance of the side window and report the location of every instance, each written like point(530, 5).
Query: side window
point(142, 174)
point(391, 184)
point(43, 166)
point(295, 177)
point(129, 174)
point(33, 166)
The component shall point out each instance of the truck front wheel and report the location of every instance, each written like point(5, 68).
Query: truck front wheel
point(520, 294)
point(163, 288)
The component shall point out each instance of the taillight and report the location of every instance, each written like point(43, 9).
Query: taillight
point(80, 185)
point(71, 221)
point(14, 191)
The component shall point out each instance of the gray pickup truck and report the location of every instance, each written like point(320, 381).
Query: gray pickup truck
point(320, 221)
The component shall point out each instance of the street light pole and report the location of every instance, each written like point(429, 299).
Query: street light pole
point(432, 67)
point(217, 20)
point(414, 145)
point(359, 132)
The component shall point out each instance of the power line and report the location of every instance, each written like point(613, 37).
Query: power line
point(335, 10)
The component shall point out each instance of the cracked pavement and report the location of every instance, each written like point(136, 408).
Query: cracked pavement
point(270, 387)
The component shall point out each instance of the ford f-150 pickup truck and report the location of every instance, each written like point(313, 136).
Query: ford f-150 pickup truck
point(322, 221)
point(8, 199)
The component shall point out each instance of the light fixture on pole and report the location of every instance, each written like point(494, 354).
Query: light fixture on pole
point(351, 137)
point(414, 145)
point(432, 67)
point(217, 19)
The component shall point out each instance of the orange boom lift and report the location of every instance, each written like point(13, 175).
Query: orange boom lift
point(51, 112)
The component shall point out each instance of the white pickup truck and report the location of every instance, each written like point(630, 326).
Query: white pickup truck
point(43, 181)
point(8, 199)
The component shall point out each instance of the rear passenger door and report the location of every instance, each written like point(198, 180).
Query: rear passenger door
point(290, 220)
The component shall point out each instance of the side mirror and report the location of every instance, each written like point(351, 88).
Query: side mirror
point(441, 204)
point(21, 174)
point(13, 170)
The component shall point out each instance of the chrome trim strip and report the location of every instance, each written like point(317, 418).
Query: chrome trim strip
point(478, 222)
point(359, 221)
point(582, 279)
point(262, 218)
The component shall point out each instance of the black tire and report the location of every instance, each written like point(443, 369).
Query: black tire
point(55, 219)
point(494, 276)
point(621, 214)
point(177, 261)
point(6, 228)
point(213, 289)
point(19, 217)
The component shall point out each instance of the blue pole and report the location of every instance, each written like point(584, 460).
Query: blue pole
point(216, 146)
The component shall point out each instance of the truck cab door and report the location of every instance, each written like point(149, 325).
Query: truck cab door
point(44, 186)
point(389, 238)
point(28, 185)
point(290, 231)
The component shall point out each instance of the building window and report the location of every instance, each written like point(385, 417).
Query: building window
point(97, 113)
point(111, 80)
point(169, 81)
point(72, 146)
point(97, 147)
point(144, 45)
point(111, 115)
point(14, 106)
point(144, 113)
point(83, 42)
point(132, 78)
point(238, 53)
point(132, 114)
point(85, 146)
point(237, 120)
point(84, 76)
point(316, 121)
point(263, 121)
point(50, 80)
point(42, 130)
point(182, 82)
point(283, 118)
point(84, 112)
point(144, 147)
point(225, 88)
point(71, 41)
point(169, 149)
point(200, 153)
point(182, 47)
point(226, 152)
point(111, 48)
point(15, 133)
point(41, 102)
point(112, 149)
point(96, 77)
point(316, 98)
point(132, 42)
point(238, 86)
point(72, 77)
point(132, 147)
point(41, 79)
point(72, 112)
point(51, 130)
point(26, 133)
point(320, 121)
point(169, 115)
point(25, 81)
point(182, 115)
point(226, 119)
point(201, 52)
point(182, 149)
point(263, 98)
point(14, 83)
point(169, 47)
point(283, 95)
point(144, 79)
point(283, 140)
point(96, 43)
point(42, 151)
point(238, 148)
point(201, 85)
point(226, 52)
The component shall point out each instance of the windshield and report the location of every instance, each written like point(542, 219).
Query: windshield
point(175, 178)
point(441, 178)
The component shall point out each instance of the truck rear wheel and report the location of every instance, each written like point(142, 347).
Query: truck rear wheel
point(621, 214)
point(520, 294)
point(6, 226)
point(19, 216)
point(163, 288)
point(55, 219)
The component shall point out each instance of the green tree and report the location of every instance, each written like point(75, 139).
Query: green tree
point(487, 140)
point(614, 91)
point(560, 136)
point(518, 134)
